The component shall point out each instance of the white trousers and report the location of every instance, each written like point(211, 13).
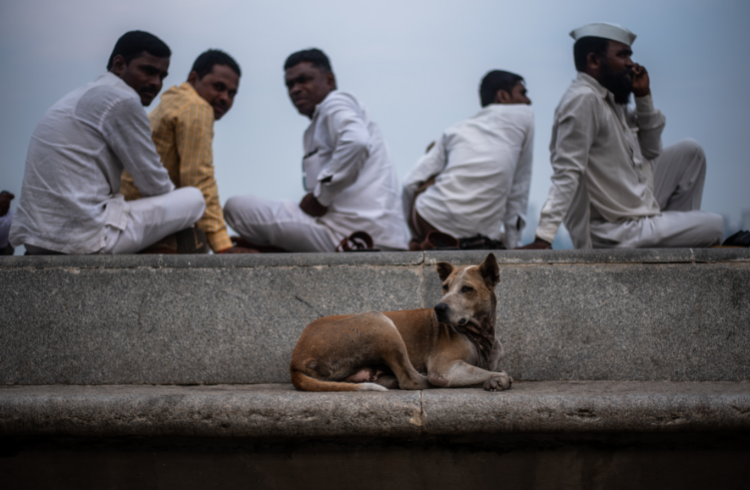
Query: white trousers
point(679, 175)
point(152, 218)
point(278, 223)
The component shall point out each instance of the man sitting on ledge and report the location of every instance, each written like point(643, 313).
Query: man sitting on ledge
point(612, 183)
point(481, 169)
point(348, 173)
point(70, 201)
point(183, 130)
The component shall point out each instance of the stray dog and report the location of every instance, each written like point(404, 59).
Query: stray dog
point(453, 343)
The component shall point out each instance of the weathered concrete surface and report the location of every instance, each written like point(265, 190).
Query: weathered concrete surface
point(618, 315)
point(281, 412)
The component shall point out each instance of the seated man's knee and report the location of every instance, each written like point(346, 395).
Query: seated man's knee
point(693, 150)
point(232, 209)
point(194, 200)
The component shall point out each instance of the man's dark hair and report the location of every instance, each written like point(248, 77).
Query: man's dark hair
point(586, 45)
point(315, 56)
point(206, 61)
point(133, 43)
point(494, 81)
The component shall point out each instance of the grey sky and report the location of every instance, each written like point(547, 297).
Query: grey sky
point(416, 65)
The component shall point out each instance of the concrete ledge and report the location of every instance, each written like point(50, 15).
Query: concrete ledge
point(278, 411)
point(678, 315)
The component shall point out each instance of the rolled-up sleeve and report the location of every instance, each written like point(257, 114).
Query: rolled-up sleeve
point(352, 140)
point(651, 124)
point(127, 132)
point(575, 132)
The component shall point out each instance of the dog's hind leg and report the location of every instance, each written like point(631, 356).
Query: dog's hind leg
point(394, 354)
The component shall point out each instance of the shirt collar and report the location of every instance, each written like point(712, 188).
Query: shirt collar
point(317, 107)
point(593, 83)
point(190, 92)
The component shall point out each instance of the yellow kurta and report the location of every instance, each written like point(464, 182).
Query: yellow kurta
point(182, 127)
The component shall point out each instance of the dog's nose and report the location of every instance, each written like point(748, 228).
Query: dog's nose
point(440, 309)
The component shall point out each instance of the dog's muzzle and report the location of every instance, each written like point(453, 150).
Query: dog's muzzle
point(441, 311)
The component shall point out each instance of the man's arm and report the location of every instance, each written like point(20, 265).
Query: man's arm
point(352, 139)
point(194, 140)
point(576, 130)
point(518, 198)
point(428, 166)
point(128, 134)
point(650, 121)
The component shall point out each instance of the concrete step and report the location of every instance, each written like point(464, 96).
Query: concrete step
point(648, 315)
point(278, 411)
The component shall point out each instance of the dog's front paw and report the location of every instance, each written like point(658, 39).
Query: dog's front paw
point(499, 382)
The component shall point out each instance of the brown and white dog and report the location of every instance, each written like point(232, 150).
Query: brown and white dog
point(454, 343)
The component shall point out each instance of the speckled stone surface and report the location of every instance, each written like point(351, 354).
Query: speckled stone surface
point(678, 314)
point(280, 411)
point(178, 325)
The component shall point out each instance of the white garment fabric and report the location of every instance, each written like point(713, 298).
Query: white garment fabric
point(278, 223)
point(606, 147)
point(604, 30)
point(679, 175)
point(149, 220)
point(73, 167)
point(483, 169)
point(348, 168)
point(152, 218)
point(5, 222)
point(603, 157)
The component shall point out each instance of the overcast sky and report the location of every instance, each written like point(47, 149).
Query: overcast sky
point(415, 64)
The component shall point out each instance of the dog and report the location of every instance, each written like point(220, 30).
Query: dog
point(454, 343)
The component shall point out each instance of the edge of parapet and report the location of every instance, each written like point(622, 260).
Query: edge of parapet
point(392, 259)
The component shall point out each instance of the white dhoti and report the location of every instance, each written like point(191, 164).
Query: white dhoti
point(679, 175)
point(278, 223)
point(149, 219)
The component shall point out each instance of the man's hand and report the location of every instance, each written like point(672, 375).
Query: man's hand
point(311, 206)
point(239, 250)
point(641, 82)
point(5, 199)
point(537, 244)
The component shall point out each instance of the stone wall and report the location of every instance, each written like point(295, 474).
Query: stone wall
point(680, 315)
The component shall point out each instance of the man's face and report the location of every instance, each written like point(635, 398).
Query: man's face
point(517, 95)
point(218, 88)
point(616, 73)
point(145, 74)
point(308, 86)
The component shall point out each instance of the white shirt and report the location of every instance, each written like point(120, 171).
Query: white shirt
point(610, 147)
point(483, 168)
point(348, 168)
point(76, 156)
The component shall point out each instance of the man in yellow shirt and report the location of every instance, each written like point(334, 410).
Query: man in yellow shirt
point(182, 127)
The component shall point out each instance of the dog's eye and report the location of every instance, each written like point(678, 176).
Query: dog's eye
point(467, 289)
point(445, 287)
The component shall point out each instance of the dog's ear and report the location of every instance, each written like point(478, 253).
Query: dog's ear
point(490, 271)
point(444, 270)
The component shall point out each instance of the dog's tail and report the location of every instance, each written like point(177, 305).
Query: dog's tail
point(303, 382)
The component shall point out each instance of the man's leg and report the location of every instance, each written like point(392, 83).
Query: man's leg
point(679, 175)
point(152, 218)
point(277, 223)
point(673, 229)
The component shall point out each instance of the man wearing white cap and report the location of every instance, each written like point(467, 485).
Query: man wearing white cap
point(613, 185)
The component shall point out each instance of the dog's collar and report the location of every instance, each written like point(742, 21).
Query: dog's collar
point(474, 332)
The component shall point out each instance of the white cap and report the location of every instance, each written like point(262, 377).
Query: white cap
point(604, 30)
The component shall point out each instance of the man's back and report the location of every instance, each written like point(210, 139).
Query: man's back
point(476, 162)
point(73, 168)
